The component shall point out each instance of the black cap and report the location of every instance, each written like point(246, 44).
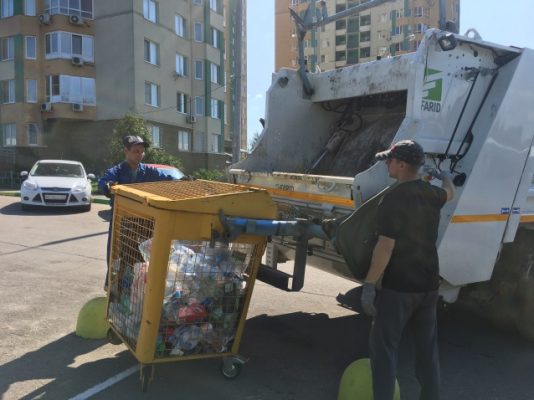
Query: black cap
point(131, 140)
point(405, 150)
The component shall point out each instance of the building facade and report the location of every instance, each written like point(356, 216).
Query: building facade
point(389, 29)
point(69, 69)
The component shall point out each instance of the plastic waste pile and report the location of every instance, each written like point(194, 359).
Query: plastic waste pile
point(204, 292)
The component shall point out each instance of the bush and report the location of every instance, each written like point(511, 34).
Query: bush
point(209, 174)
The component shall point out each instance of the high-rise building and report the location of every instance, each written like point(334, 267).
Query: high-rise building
point(389, 29)
point(69, 69)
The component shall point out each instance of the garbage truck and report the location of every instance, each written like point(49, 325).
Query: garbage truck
point(469, 103)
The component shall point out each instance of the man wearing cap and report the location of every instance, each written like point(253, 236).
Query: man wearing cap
point(131, 170)
point(405, 258)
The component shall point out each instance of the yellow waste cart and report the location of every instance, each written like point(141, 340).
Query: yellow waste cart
point(177, 291)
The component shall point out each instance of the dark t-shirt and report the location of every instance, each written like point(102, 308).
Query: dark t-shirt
point(409, 213)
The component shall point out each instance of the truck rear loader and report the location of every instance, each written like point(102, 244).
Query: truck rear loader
point(470, 104)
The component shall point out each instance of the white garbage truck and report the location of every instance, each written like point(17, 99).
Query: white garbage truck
point(469, 103)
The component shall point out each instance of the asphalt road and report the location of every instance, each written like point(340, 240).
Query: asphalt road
point(298, 344)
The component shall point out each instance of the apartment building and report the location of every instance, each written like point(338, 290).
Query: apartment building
point(69, 69)
point(389, 29)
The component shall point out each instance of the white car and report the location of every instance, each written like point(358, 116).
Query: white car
point(56, 183)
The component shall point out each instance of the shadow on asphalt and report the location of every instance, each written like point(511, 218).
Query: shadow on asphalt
point(52, 362)
point(15, 209)
point(105, 214)
point(296, 356)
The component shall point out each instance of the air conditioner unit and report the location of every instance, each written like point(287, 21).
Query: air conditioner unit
point(77, 60)
point(77, 107)
point(191, 119)
point(45, 19)
point(76, 20)
point(46, 106)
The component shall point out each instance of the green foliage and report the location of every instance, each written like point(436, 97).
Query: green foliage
point(209, 174)
point(132, 124)
point(254, 141)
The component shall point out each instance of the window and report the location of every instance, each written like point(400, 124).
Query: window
point(421, 12)
point(198, 143)
point(151, 52)
point(8, 91)
point(383, 17)
point(181, 65)
point(70, 89)
point(31, 47)
point(6, 9)
point(154, 131)
point(199, 69)
point(31, 91)
point(32, 132)
point(83, 8)
point(419, 28)
point(150, 10)
point(323, 58)
point(6, 49)
point(152, 94)
point(198, 32)
point(365, 36)
point(197, 2)
point(10, 134)
point(215, 5)
point(182, 101)
point(184, 141)
point(365, 20)
point(67, 45)
point(29, 7)
point(215, 145)
point(396, 31)
point(199, 106)
point(214, 73)
point(365, 52)
point(216, 38)
point(179, 26)
point(215, 109)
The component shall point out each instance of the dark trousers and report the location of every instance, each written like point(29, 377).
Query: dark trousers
point(395, 311)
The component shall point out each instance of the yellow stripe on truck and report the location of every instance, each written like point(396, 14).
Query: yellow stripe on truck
point(460, 219)
point(317, 198)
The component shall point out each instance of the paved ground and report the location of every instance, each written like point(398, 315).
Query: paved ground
point(52, 262)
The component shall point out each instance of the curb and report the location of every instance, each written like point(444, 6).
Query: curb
point(17, 194)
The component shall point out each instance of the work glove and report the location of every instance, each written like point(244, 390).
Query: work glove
point(107, 191)
point(435, 173)
point(368, 299)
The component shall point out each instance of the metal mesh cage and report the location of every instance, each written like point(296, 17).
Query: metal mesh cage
point(127, 265)
point(204, 297)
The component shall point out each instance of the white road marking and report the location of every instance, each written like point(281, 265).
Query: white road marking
point(107, 383)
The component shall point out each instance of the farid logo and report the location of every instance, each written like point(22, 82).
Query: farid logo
point(432, 90)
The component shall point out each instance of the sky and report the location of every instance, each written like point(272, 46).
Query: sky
point(503, 22)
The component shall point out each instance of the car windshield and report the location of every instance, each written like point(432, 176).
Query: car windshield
point(57, 169)
point(173, 172)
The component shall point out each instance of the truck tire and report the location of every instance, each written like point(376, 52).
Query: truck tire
point(507, 300)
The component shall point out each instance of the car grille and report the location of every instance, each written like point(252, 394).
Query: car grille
point(55, 189)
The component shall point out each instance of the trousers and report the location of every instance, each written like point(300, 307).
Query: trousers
point(394, 312)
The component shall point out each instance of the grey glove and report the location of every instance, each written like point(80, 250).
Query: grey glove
point(433, 172)
point(368, 299)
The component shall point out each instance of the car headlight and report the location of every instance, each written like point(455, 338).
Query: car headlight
point(80, 188)
point(29, 185)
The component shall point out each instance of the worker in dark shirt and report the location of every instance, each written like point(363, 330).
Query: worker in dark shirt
point(131, 170)
point(405, 259)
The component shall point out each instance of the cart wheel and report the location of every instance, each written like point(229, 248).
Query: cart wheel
point(146, 375)
point(113, 338)
point(230, 368)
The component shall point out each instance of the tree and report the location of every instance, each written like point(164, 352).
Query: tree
point(132, 124)
point(254, 141)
